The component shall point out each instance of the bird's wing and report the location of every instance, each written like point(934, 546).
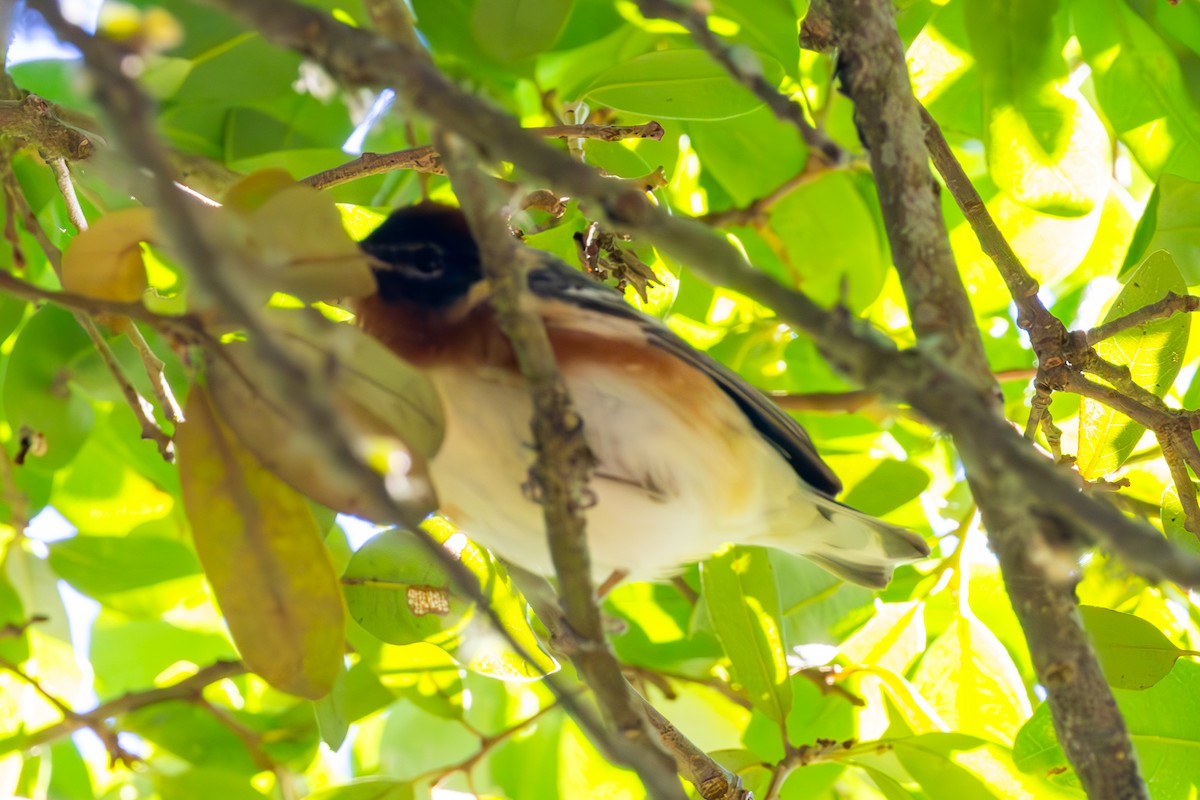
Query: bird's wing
point(553, 279)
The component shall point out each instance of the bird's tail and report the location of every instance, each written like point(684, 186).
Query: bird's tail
point(852, 545)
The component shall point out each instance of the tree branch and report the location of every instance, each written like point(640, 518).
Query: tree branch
point(861, 353)
point(426, 159)
point(186, 688)
point(1166, 308)
point(1037, 561)
point(561, 471)
point(211, 267)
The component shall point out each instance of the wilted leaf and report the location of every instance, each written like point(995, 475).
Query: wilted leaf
point(1133, 653)
point(391, 409)
point(105, 261)
point(263, 555)
point(1154, 354)
point(743, 604)
point(293, 236)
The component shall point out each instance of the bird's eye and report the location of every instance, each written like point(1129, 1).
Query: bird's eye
point(426, 259)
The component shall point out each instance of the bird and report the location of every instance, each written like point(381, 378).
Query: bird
point(689, 457)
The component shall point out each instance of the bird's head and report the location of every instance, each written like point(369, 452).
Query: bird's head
point(424, 255)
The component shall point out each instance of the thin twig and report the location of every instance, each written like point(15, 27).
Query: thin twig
point(142, 410)
point(188, 687)
point(755, 212)
point(1166, 308)
point(156, 372)
point(66, 187)
point(1037, 573)
point(1184, 486)
point(426, 159)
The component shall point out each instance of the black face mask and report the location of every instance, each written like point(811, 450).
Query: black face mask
point(425, 256)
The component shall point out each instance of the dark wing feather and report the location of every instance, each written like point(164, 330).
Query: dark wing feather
point(553, 279)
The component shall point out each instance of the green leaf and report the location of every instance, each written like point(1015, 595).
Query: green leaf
point(263, 554)
point(366, 789)
point(1046, 147)
point(332, 719)
point(1140, 87)
point(1163, 722)
point(397, 591)
point(971, 681)
point(892, 639)
point(129, 654)
point(887, 487)
point(14, 646)
point(944, 73)
point(750, 155)
point(1171, 222)
point(101, 493)
point(743, 603)
point(1153, 353)
point(442, 742)
point(100, 566)
point(1133, 653)
point(889, 787)
point(38, 390)
point(480, 648)
point(834, 241)
point(677, 84)
point(510, 30)
point(1173, 520)
point(584, 772)
point(769, 25)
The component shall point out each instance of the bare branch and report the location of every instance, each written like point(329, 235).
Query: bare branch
point(426, 159)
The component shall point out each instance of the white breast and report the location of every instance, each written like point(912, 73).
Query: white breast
point(681, 495)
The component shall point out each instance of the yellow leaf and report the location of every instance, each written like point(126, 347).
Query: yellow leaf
point(294, 235)
point(251, 192)
point(392, 412)
point(263, 554)
point(105, 261)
